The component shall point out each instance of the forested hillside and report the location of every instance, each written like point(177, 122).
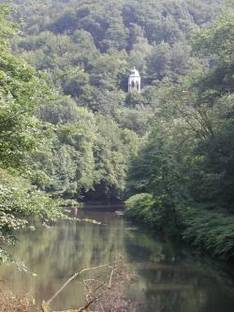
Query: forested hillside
point(70, 129)
point(86, 49)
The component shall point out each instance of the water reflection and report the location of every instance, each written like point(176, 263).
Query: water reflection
point(168, 279)
point(172, 280)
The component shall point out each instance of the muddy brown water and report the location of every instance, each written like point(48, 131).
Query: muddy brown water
point(168, 277)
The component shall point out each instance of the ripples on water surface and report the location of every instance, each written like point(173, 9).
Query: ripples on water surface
point(168, 279)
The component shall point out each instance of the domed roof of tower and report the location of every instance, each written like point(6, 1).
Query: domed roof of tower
point(134, 73)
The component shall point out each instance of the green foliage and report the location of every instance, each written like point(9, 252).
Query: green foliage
point(21, 203)
point(169, 62)
point(134, 100)
point(64, 149)
point(136, 119)
point(7, 29)
point(113, 149)
point(209, 231)
point(217, 40)
point(18, 96)
point(88, 48)
point(20, 91)
point(83, 151)
point(187, 159)
point(141, 208)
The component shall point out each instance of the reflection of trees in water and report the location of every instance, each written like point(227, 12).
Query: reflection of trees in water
point(56, 253)
point(168, 283)
point(141, 247)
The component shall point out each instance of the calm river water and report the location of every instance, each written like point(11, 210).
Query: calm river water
point(168, 277)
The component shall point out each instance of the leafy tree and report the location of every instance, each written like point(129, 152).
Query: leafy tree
point(20, 92)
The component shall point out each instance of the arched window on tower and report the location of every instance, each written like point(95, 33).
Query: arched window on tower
point(137, 86)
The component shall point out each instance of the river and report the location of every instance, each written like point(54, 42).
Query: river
point(168, 277)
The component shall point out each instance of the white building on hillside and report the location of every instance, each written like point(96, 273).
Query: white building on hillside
point(134, 81)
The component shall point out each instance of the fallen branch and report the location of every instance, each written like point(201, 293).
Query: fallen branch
point(100, 295)
point(111, 277)
point(45, 305)
point(84, 308)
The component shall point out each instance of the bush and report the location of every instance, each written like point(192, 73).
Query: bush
point(142, 207)
point(209, 231)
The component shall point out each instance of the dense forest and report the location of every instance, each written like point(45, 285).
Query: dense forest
point(70, 130)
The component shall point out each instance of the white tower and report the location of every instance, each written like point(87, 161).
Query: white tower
point(134, 81)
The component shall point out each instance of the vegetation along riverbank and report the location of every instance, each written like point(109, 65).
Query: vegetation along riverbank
point(183, 174)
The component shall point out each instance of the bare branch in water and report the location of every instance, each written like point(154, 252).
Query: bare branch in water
point(102, 295)
point(111, 277)
point(74, 276)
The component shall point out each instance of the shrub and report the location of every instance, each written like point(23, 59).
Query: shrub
point(209, 231)
point(142, 207)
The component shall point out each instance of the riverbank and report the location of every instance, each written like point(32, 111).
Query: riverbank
point(208, 232)
point(9, 302)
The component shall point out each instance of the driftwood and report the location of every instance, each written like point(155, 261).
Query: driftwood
point(91, 297)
